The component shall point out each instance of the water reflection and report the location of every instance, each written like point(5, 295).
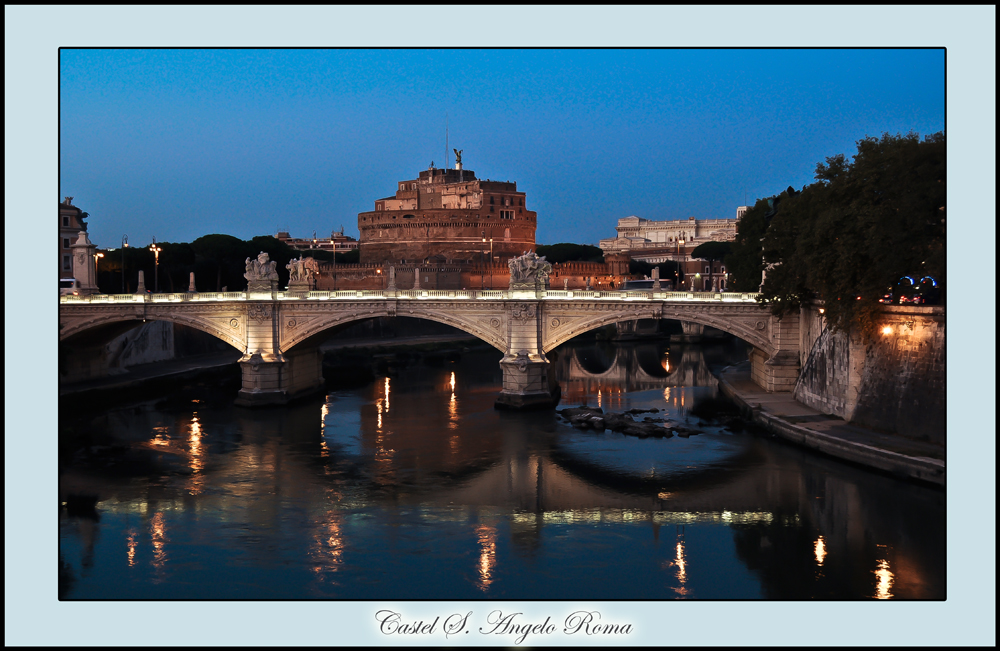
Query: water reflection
point(680, 562)
point(820, 551)
point(884, 577)
point(368, 502)
point(158, 536)
point(487, 537)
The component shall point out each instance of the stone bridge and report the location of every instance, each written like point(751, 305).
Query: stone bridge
point(279, 332)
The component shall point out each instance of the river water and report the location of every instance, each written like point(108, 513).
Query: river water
point(412, 486)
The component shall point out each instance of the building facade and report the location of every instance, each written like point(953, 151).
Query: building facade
point(447, 216)
point(659, 241)
point(637, 235)
point(71, 224)
point(337, 242)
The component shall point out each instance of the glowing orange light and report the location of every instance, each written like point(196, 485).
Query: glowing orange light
point(820, 550)
point(887, 330)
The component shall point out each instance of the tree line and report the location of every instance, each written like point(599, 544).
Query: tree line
point(218, 262)
point(870, 231)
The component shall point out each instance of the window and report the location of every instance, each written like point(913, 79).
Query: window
point(519, 202)
point(491, 200)
point(66, 263)
point(65, 221)
point(506, 214)
point(708, 270)
point(65, 242)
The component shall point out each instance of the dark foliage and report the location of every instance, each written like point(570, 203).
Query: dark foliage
point(866, 229)
point(567, 252)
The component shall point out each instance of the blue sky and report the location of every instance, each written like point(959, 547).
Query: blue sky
point(179, 143)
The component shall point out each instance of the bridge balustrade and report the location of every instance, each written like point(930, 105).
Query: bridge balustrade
point(353, 294)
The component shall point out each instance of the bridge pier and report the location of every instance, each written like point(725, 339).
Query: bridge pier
point(272, 376)
point(279, 379)
point(691, 332)
point(779, 371)
point(529, 380)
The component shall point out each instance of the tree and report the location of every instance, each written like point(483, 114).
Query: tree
point(856, 233)
point(222, 256)
point(746, 258)
point(567, 252)
point(712, 251)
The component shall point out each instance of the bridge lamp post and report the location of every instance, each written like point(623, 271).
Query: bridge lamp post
point(124, 246)
point(680, 245)
point(156, 266)
point(482, 259)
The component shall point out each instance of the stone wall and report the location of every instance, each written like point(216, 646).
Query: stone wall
point(823, 380)
point(895, 383)
point(903, 382)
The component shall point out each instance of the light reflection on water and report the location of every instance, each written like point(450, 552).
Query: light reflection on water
point(437, 495)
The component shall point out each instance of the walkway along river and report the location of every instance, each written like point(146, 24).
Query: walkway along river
point(412, 486)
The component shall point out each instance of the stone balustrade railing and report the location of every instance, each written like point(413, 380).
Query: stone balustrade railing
point(416, 294)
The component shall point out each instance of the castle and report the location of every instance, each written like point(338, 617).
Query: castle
point(448, 216)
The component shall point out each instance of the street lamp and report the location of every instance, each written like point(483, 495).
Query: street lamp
point(124, 246)
point(156, 266)
point(680, 243)
point(482, 259)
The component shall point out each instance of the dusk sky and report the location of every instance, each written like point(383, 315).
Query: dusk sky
point(180, 143)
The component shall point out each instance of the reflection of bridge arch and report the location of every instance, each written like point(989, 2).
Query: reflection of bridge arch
point(629, 368)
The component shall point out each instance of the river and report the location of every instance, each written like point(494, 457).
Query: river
point(412, 486)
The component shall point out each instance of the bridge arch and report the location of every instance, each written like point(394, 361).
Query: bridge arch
point(751, 327)
point(76, 323)
point(298, 325)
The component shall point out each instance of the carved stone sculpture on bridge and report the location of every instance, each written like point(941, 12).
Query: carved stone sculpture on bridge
point(302, 274)
point(261, 274)
point(529, 271)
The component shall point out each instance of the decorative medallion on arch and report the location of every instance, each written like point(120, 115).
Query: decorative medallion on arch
point(259, 312)
point(523, 312)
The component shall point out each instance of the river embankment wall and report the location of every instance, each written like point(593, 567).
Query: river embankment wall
point(894, 382)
